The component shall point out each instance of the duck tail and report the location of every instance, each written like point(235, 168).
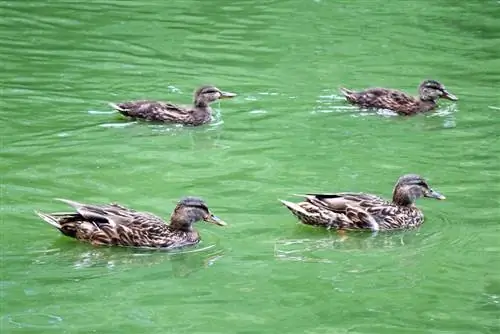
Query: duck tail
point(313, 215)
point(296, 209)
point(346, 92)
point(74, 204)
point(116, 107)
point(51, 220)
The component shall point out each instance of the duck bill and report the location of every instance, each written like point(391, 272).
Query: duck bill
point(435, 194)
point(449, 96)
point(226, 95)
point(215, 220)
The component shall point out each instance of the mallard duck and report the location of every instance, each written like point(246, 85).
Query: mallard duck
point(360, 211)
point(429, 92)
point(116, 225)
point(197, 114)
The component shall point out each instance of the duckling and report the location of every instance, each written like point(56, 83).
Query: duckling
point(116, 225)
point(361, 211)
point(429, 93)
point(197, 114)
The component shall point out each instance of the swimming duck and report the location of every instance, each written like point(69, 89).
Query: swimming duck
point(360, 211)
point(429, 92)
point(116, 225)
point(197, 114)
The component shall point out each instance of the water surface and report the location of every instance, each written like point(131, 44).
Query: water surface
point(288, 132)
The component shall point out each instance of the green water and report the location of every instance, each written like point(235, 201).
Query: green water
point(288, 132)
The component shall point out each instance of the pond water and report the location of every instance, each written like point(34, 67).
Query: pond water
point(288, 131)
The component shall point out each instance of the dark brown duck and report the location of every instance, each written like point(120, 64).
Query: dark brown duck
point(360, 211)
point(116, 225)
point(158, 111)
point(430, 91)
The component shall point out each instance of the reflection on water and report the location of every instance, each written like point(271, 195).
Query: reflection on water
point(32, 319)
point(324, 249)
point(180, 265)
point(490, 301)
point(176, 263)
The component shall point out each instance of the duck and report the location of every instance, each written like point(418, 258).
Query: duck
point(383, 98)
point(363, 211)
point(166, 112)
point(116, 225)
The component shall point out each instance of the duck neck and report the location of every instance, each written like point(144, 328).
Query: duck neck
point(428, 96)
point(201, 112)
point(200, 103)
point(427, 104)
point(403, 196)
point(181, 224)
point(428, 99)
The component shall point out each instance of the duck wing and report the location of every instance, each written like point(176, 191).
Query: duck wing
point(382, 98)
point(112, 224)
point(338, 210)
point(154, 111)
point(338, 202)
point(113, 214)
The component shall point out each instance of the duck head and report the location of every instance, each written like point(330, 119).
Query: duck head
point(410, 187)
point(431, 90)
point(205, 95)
point(190, 210)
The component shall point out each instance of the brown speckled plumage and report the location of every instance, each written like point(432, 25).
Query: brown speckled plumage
point(115, 225)
point(157, 111)
point(382, 98)
point(359, 211)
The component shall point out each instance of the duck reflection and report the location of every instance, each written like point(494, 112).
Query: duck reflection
point(321, 248)
point(177, 263)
